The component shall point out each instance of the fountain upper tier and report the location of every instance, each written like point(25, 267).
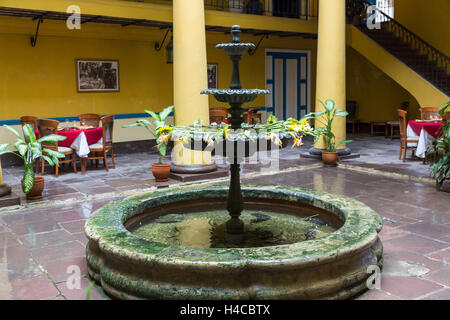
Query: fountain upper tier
point(235, 96)
point(238, 96)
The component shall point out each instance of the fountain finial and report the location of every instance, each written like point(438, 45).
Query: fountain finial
point(236, 32)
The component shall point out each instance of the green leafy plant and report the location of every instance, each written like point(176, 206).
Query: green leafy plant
point(89, 290)
point(30, 149)
point(439, 149)
point(272, 130)
point(326, 118)
point(159, 129)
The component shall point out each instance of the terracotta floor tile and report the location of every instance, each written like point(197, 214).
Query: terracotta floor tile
point(45, 239)
point(376, 295)
point(57, 252)
point(443, 294)
point(81, 237)
point(414, 257)
point(435, 231)
point(74, 226)
point(435, 217)
point(389, 233)
point(33, 289)
point(442, 255)
point(97, 190)
point(408, 287)
point(7, 239)
point(58, 270)
point(416, 243)
point(442, 276)
point(21, 228)
point(68, 215)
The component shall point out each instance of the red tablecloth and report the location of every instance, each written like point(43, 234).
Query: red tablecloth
point(92, 136)
point(432, 128)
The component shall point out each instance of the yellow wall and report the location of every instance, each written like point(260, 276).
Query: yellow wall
point(378, 96)
point(41, 81)
point(430, 20)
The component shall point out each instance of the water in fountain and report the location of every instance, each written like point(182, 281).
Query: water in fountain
point(208, 229)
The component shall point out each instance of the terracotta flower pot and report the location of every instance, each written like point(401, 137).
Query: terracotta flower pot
point(38, 188)
point(161, 171)
point(330, 158)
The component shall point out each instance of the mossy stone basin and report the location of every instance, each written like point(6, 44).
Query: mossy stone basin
point(331, 267)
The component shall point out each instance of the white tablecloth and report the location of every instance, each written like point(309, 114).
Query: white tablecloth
point(424, 141)
point(80, 145)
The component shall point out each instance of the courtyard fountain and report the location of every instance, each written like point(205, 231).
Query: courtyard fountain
point(235, 242)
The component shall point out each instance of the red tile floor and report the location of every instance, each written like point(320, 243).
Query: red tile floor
point(40, 241)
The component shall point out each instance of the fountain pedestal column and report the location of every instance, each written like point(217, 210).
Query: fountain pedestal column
point(235, 201)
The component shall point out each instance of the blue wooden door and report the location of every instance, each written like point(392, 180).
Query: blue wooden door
point(287, 78)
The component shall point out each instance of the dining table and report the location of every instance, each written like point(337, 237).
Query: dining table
point(80, 139)
point(426, 132)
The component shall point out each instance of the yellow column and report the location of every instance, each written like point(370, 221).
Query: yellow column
point(331, 63)
point(190, 73)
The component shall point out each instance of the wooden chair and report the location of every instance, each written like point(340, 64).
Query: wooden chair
point(47, 127)
point(394, 126)
point(29, 120)
point(406, 143)
point(218, 115)
point(89, 119)
point(251, 115)
point(33, 122)
point(352, 120)
point(104, 147)
point(430, 114)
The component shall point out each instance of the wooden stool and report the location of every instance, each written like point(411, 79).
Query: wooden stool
point(375, 124)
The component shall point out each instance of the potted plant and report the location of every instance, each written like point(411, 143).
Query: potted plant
point(439, 151)
point(326, 118)
point(162, 134)
point(29, 150)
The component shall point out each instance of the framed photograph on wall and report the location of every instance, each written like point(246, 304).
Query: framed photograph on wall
point(213, 75)
point(98, 75)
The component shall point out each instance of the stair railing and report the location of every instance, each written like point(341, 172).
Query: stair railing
point(436, 72)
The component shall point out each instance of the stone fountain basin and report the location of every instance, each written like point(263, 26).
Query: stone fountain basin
point(332, 267)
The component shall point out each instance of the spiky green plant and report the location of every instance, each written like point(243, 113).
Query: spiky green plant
point(158, 129)
point(30, 149)
point(439, 149)
point(326, 118)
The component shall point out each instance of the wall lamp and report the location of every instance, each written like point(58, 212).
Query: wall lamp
point(169, 46)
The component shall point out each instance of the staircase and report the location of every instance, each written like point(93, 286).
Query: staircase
point(416, 53)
